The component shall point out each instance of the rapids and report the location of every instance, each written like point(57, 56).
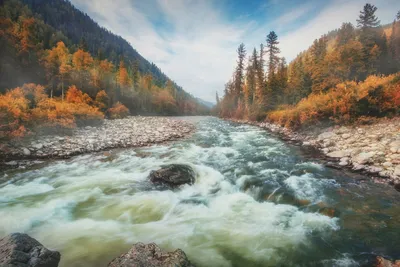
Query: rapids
point(256, 202)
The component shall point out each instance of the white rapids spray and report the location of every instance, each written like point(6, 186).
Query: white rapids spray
point(93, 207)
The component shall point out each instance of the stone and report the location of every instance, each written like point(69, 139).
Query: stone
point(38, 146)
point(387, 164)
point(337, 154)
point(326, 135)
point(382, 262)
point(150, 255)
point(397, 171)
point(363, 157)
point(395, 146)
point(346, 136)
point(343, 163)
point(173, 175)
point(26, 151)
point(21, 250)
point(358, 167)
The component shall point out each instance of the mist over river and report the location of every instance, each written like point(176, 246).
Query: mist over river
point(256, 202)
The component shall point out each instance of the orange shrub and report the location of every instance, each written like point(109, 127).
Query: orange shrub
point(53, 113)
point(376, 96)
point(118, 111)
point(74, 95)
point(13, 113)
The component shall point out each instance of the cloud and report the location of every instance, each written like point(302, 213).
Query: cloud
point(194, 42)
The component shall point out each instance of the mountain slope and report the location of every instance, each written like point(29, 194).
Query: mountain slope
point(78, 27)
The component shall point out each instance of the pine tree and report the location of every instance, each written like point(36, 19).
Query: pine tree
point(217, 98)
point(398, 15)
point(239, 74)
point(273, 51)
point(367, 18)
point(260, 91)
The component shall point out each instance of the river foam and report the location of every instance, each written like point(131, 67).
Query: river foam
point(93, 207)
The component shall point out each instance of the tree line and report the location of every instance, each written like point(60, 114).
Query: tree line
point(51, 82)
point(354, 58)
point(33, 51)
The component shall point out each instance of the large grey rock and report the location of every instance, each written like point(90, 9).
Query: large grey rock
point(173, 175)
point(150, 255)
point(21, 250)
point(26, 151)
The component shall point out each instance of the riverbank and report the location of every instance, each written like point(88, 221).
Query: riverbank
point(134, 131)
point(373, 149)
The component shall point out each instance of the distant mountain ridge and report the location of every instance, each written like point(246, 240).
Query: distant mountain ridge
point(79, 28)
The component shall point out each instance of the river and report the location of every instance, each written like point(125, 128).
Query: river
point(256, 202)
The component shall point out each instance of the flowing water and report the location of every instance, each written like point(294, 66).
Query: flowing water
point(256, 202)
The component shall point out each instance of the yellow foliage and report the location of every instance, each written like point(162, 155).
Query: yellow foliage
point(344, 103)
point(13, 113)
point(118, 111)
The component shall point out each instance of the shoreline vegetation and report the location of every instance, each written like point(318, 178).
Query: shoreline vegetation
point(54, 79)
point(342, 95)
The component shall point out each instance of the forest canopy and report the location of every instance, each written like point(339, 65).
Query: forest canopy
point(349, 73)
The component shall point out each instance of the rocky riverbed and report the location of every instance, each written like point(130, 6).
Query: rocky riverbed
point(372, 149)
point(129, 132)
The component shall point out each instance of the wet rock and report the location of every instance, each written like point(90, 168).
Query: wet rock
point(173, 175)
point(150, 255)
point(382, 262)
point(21, 250)
point(330, 212)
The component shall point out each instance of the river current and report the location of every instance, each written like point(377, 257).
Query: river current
point(256, 202)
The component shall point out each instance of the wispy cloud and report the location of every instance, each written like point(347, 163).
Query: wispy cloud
point(194, 42)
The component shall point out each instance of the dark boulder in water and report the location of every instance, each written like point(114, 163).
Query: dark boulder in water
point(21, 250)
point(173, 175)
point(151, 255)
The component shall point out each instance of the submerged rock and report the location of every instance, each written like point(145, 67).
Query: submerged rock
point(151, 255)
point(382, 262)
point(173, 175)
point(21, 250)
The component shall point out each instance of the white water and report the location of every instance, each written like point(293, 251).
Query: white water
point(92, 208)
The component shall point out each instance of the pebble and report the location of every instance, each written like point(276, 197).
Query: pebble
point(128, 132)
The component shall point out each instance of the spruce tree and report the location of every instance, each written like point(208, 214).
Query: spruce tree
point(273, 51)
point(239, 74)
point(367, 18)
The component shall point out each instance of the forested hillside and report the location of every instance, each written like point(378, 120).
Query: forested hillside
point(349, 73)
point(65, 58)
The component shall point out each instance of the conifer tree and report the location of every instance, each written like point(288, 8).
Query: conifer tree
point(239, 74)
point(273, 61)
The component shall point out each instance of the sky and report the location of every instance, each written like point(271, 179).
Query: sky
point(194, 42)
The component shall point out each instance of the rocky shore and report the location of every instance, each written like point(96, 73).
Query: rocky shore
point(135, 131)
point(373, 149)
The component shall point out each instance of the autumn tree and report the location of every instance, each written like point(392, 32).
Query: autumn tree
point(123, 77)
point(58, 65)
